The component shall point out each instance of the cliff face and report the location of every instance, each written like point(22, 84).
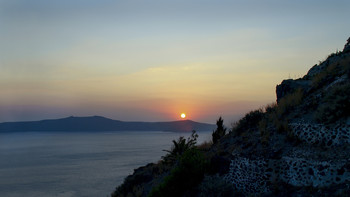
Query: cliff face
point(297, 147)
point(334, 67)
point(304, 138)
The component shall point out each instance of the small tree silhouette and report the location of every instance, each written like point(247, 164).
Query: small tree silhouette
point(220, 130)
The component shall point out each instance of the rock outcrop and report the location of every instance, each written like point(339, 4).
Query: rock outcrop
point(312, 137)
point(289, 86)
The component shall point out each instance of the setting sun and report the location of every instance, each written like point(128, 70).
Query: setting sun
point(183, 115)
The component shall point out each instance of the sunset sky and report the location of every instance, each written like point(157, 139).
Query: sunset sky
point(152, 60)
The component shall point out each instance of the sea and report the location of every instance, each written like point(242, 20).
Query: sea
point(67, 164)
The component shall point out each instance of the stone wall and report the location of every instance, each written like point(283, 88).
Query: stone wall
point(248, 175)
point(256, 175)
point(306, 172)
point(319, 134)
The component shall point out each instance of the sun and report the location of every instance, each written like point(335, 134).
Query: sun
point(183, 115)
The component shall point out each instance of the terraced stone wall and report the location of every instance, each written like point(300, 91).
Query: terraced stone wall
point(319, 134)
point(256, 175)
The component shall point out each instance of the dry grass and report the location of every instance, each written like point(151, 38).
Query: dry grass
point(335, 105)
point(264, 132)
point(205, 145)
point(288, 102)
point(249, 122)
point(333, 70)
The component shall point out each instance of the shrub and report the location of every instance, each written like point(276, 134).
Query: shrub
point(332, 71)
point(276, 113)
point(335, 105)
point(133, 184)
point(180, 146)
point(334, 54)
point(220, 130)
point(270, 108)
point(264, 132)
point(249, 121)
point(215, 186)
point(187, 174)
point(289, 102)
point(205, 145)
point(319, 79)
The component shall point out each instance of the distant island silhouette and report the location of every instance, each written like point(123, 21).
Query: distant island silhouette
point(99, 123)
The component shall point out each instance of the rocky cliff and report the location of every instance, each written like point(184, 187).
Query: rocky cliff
point(298, 146)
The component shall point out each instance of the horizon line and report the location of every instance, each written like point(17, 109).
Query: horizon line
point(101, 117)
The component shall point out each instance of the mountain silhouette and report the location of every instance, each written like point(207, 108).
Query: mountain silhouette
point(99, 123)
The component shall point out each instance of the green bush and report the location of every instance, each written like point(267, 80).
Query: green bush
point(180, 146)
point(187, 174)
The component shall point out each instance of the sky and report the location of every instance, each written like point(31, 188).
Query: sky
point(138, 60)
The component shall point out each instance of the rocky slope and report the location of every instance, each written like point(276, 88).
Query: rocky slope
point(298, 146)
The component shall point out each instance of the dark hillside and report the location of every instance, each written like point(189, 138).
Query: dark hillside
point(298, 146)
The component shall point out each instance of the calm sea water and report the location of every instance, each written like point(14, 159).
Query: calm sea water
point(76, 164)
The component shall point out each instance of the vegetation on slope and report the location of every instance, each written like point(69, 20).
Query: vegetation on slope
point(320, 97)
